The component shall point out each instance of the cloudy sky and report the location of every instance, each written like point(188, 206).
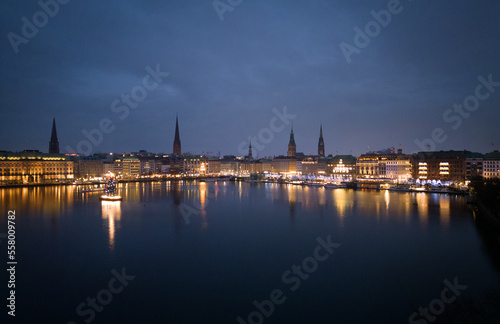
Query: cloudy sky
point(229, 66)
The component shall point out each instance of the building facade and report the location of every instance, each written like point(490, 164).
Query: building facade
point(34, 167)
point(442, 166)
point(491, 165)
point(342, 167)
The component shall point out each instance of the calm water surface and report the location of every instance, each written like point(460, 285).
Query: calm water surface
point(204, 252)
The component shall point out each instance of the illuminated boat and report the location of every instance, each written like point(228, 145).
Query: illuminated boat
point(110, 191)
point(111, 198)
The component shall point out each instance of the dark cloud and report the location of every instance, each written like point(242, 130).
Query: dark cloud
point(225, 77)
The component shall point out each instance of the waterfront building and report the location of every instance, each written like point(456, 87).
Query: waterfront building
point(177, 138)
point(441, 165)
point(194, 165)
point(473, 165)
point(54, 143)
point(342, 167)
point(34, 167)
point(131, 167)
point(284, 165)
point(229, 165)
point(398, 167)
point(312, 166)
point(88, 167)
point(491, 165)
point(107, 166)
point(117, 167)
point(263, 166)
point(149, 165)
point(367, 165)
point(308, 166)
point(213, 166)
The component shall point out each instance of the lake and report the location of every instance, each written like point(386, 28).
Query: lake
point(238, 252)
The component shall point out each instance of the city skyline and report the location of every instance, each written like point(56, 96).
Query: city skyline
point(402, 85)
point(53, 147)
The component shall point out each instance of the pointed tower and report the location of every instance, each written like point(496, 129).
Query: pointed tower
point(321, 143)
point(54, 143)
point(177, 139)
point(292, 149)
point(250, 157)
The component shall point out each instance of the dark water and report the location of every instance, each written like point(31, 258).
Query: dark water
point(203, 253)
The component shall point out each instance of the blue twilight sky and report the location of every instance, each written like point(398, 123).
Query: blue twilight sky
point(226, 75)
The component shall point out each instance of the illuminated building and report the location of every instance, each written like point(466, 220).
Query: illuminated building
point(54, 143)
point(263, 166)
point(88, 167)
point(131, 167)
point(229, 165)
point(213, 166)
point(342, 167)
point(34, 167)
point(292, 148)
point(491, 165)
point(312, 165)
point(284, 165)
point(195, 165)
point(442, 165)
point(149, 165)
point(321, 143)
point(367, 165)
point(177, 139)
point(398, 167)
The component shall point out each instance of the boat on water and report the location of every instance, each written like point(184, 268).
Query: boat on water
point(314, 184)
point(110, 191)
point(335, 186)
point(400, 189)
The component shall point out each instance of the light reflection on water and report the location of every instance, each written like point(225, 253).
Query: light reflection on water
point(111, 212)
point(239, 243)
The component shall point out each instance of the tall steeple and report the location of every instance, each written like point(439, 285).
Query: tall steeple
point(321, 143)
point(177, 139)
point(54, 143)
point(292, 149)
point(250, 151)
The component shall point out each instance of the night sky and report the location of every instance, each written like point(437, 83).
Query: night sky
point(226, 75)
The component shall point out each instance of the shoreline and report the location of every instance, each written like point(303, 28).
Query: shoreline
point(222, 178)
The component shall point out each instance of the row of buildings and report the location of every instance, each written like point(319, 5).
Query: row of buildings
point(447, 166)
point(31, 166)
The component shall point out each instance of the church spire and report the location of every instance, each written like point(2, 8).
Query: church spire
point(321, 143)
point(250, 150)
point(54, 143)
point(292, 148)
point(177, 139)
